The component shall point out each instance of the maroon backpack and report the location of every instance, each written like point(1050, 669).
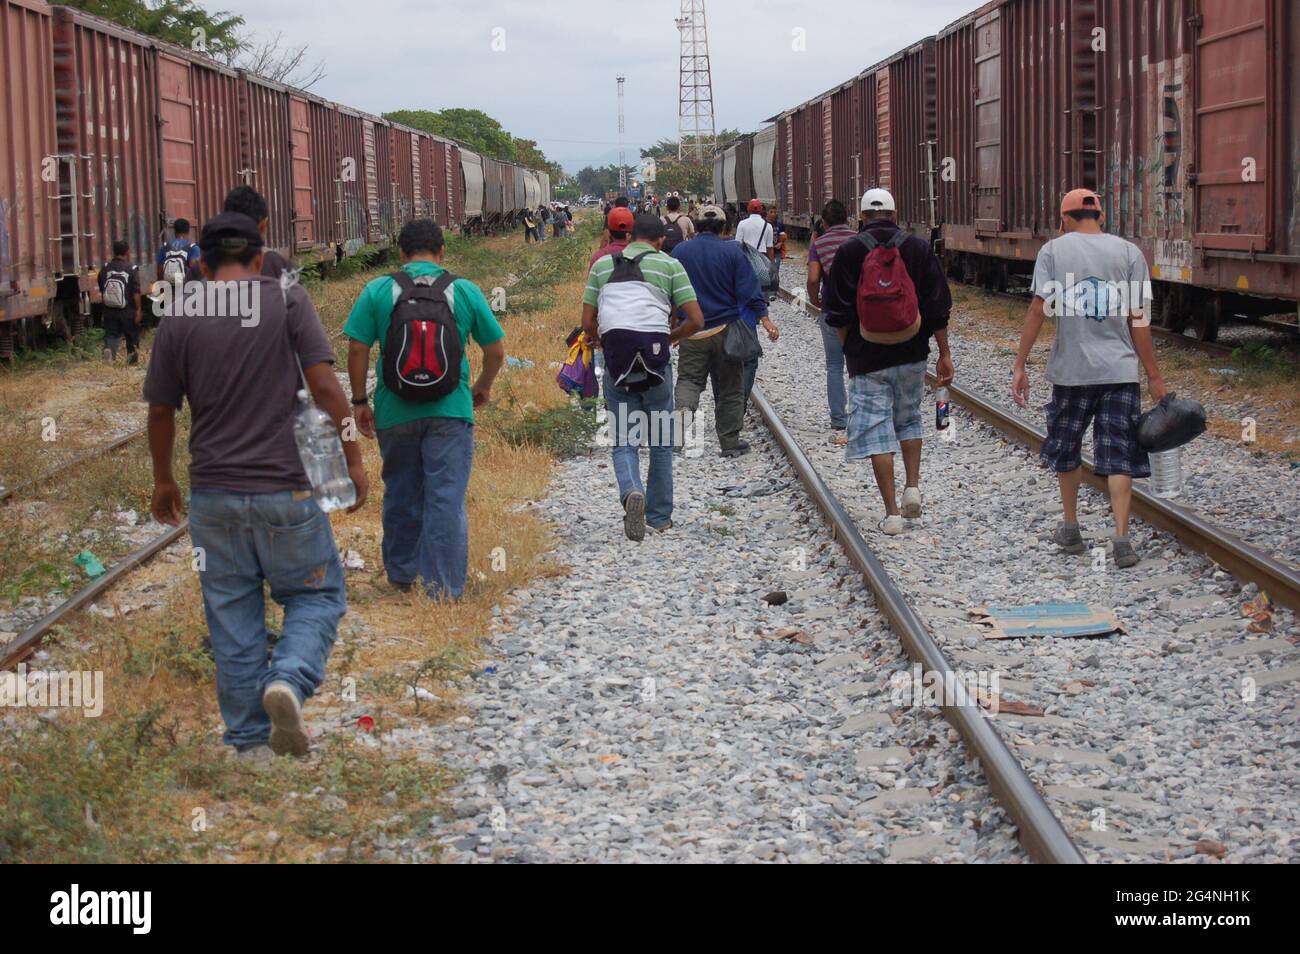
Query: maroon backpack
point(887, 308)
point(423, 351)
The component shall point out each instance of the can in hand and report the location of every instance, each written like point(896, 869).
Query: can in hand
point(941, 408)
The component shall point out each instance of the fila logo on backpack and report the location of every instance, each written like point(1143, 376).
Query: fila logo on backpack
point(423, 350)
point(175, 264)
point(886, 300)
point(115, 283)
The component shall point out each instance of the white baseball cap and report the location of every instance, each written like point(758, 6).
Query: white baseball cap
point(877, 200)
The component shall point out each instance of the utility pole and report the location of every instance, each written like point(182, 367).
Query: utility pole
point(695, 132)
point(622, 155)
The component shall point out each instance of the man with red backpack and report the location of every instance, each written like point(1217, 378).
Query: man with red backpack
point(885, 295)
point(423, 318)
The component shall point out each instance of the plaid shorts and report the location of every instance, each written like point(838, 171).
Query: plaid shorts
point(884, 408)
point(1113, 410)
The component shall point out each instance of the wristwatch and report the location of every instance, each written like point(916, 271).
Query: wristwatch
point(358, 402)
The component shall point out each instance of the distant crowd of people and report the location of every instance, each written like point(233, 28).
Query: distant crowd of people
point(694, 281)
point(558, 217)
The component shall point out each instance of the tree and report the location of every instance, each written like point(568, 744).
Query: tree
point(274, 60)
point(686, 175)
point(473, 127)
point(182, 22)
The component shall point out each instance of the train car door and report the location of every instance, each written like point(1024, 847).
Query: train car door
point(988, 123)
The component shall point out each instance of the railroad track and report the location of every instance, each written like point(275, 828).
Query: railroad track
point(1245, 562)
point(8, 493)
point(1040, 831)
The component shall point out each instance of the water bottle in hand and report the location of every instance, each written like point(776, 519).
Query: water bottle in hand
point(321, 451)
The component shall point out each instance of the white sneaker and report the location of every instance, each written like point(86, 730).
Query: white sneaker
point(892, 525)
point(912, 502)
point(288, 733)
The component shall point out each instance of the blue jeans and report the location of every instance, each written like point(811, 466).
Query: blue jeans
point(426, 526)
point(631, 425)
point(836, 395)
point(244, 539)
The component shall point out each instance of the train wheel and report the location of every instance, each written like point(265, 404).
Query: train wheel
point(1209, 316)
point(1177, 311)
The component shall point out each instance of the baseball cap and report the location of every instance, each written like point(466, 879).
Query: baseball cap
point(230, 232)
point(755, 205)
point(620, 219)
point(877, 200)
point(1080, 200)
point(710, 212)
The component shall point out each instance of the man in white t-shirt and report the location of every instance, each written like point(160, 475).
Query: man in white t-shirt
point(756, 231)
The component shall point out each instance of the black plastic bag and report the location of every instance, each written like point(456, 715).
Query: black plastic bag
point(1171, 423)
point(741, 341)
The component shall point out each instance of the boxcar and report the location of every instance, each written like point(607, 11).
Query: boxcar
point(1182, 117)
point(473, 187)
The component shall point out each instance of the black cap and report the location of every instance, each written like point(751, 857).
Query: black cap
point(230, 232)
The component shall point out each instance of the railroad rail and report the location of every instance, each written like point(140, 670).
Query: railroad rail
point(1040, 830)
point(1245, 562)
point(9, 492)
point(29, 639)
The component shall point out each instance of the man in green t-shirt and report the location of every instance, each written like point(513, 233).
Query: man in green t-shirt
point(427, 446)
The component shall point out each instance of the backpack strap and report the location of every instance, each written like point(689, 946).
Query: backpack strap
point(869, 240)
point(898, 238)
point(637, 260)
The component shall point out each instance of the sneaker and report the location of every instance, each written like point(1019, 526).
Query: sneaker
point(1123, 552)
point(740, 450)
point(840, 437)
point(912, 502)
point(401, 587)
point(662, 528)
point(892, 525)
point(288, 733)
point(108, 356)
point(634, 516)
point(1068, 538)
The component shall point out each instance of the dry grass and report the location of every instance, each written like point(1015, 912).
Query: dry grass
point(150, 781)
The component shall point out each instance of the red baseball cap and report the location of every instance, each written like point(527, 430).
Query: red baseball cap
point(620, 220)
point(755, 205)
point(1080, 200)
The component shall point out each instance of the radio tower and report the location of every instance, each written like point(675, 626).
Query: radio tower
point(695, 133)
point(622, 156)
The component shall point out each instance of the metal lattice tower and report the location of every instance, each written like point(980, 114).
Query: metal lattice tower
point(695, 132)
point(622, 155)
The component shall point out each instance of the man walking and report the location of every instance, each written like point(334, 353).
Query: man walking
point(178, 259)
point(728, 291)
point(629, 302)
point(253, 517)
point(426, 439)
point(1099, 290)
point(678, 227)
point(119, 291)
point(248, 201)
point(619, 225)
point(821, 256)
point(885, 337)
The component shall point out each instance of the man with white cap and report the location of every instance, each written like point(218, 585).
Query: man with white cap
point(886, 295)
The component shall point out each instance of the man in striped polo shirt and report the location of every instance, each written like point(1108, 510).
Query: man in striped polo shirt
point(631, 296)
point(821, 254)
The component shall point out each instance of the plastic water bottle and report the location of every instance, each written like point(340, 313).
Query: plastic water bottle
point(321, 450)
point(942, 406)
point(1167, 472)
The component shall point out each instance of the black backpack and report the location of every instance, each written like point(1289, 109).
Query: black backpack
point(673, 234)
point(423, 351)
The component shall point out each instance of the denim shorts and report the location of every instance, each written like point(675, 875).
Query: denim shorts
point(1113, 410)
point(885, 408)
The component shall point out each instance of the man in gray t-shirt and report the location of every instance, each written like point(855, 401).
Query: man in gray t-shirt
point(1098, 289)
point(238, 352)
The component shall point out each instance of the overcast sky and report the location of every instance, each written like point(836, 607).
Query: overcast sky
point(555, 79)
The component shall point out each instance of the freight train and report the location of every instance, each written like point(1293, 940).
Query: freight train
point(106, 133)
point(1184, 115)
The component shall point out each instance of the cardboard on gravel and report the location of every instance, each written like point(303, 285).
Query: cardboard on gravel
point(1046, 619)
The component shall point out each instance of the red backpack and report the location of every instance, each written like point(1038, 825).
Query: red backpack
point(887, 309)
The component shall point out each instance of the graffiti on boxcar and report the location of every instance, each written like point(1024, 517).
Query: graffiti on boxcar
point(4, 234)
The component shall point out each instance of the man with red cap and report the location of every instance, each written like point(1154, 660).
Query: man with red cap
point(619, 224)
point(1098, 289)
point(757, 232)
